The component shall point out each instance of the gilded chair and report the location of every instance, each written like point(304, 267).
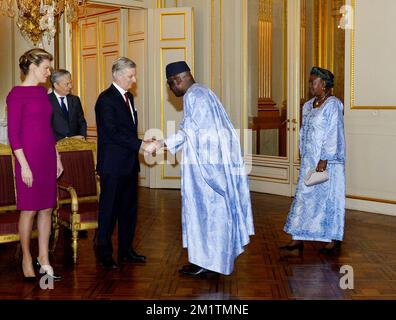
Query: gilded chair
point(9, 216)
point(78, 189)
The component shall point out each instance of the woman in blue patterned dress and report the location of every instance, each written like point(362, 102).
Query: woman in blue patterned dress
point(318, 212)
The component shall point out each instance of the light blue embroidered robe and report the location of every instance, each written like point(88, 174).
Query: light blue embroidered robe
point(318, 212)
point(216, 209)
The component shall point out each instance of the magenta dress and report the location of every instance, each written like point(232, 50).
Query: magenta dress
point(29, 128)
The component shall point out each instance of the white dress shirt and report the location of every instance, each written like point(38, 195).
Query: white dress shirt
point(60, 101)
point(122, 91)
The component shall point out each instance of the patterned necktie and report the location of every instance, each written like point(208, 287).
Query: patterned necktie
point(128, 106)
point(63, 108)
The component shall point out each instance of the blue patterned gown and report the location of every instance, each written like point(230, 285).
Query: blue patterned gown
point(216, 209)
point(318, 212)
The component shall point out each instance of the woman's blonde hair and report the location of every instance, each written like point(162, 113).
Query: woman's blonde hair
point(35, 56)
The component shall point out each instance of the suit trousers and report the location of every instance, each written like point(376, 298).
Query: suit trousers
point(117, 204)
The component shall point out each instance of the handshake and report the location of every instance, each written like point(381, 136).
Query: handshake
point(152, 146)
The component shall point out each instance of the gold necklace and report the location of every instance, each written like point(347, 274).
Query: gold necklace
point(321, 100)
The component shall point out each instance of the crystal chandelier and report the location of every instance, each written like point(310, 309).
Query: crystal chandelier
point(36, 18)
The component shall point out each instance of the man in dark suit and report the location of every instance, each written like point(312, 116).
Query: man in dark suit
point(68, 116)
point(118, 165)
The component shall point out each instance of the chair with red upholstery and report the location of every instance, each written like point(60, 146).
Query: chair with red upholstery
point(78, 189)
point(9, 216)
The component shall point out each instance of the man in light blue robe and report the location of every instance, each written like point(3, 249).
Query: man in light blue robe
point(216, 208)
point(318, 211)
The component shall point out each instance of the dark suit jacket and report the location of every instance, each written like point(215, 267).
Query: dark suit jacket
point(118, 142)
point(75, 125)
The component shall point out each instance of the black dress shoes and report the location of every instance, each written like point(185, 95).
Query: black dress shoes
point(188, 267)
point(335, 248)
point(31, 279)
point(299, 246)
point(45, 270)
point(131, 256)
point(194, 270)
point(109, 263)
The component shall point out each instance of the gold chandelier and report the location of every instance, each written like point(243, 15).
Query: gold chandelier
point(36, 18)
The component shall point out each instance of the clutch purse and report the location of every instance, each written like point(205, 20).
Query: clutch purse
point(313, 177)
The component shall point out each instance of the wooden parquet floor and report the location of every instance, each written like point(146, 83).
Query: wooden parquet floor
point(261, 272)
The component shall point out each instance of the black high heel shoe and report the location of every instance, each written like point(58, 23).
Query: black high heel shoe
point(334, 249)
point(40, 269)
point(299, 246)
point(30, 279)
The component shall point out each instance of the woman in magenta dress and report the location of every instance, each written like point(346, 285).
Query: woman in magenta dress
point(38, 164)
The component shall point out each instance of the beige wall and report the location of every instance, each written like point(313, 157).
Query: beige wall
point(371, 133)
point(219, 48)
point(202, 19)
point(235, 54)
point(219, 51)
